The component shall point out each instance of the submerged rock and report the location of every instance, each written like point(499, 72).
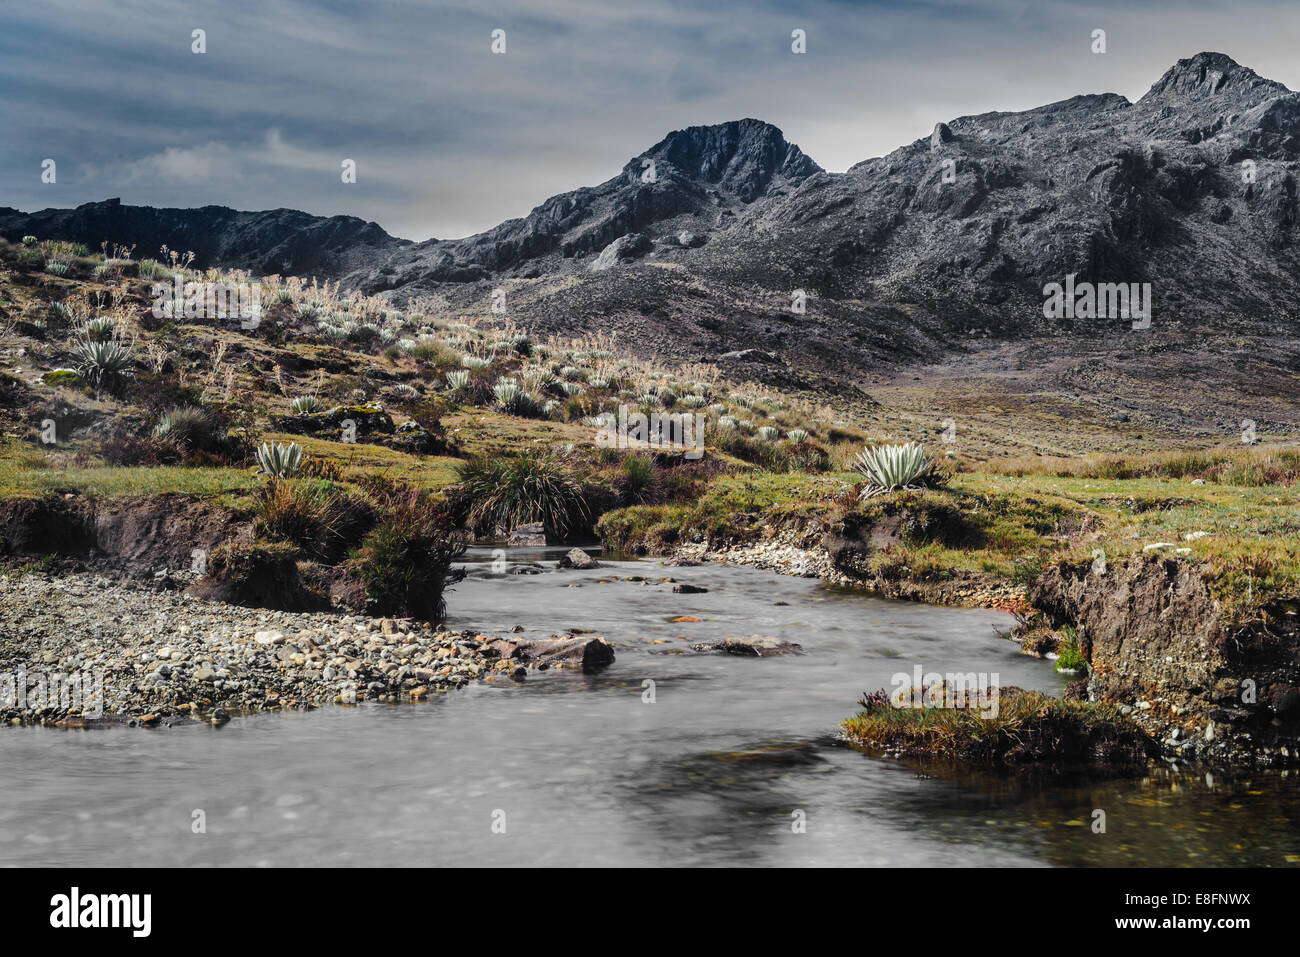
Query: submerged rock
point(755, 646)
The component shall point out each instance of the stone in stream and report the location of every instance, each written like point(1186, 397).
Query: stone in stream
point(593, 653)
point(579, 560)
point(685, 589)
point(755, 646)
point(532, 534)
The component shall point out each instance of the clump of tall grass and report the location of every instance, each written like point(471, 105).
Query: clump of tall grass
point(508, 491)
point(1005, 726)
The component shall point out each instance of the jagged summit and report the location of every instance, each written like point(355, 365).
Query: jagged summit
point(743, 157)
point(1211, 74)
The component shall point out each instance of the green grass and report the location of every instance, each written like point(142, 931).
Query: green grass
point(1010, 526)
point(228, 487)
point(358, 460)
point(1024, 726)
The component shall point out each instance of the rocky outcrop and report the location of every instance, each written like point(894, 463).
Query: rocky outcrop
point(1159, 646)
point(533, 534)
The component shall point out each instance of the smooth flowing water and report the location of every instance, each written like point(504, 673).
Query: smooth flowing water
point(734, 762)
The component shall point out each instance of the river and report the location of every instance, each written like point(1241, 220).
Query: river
point(730, 761)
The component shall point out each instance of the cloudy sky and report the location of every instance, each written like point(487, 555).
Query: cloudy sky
point(450, 138)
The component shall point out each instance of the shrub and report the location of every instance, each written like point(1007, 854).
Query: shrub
point(185, 427)
point(508, 491)
point(638, 476)
point(405, 563)
point(315, 515)
point(281, 460)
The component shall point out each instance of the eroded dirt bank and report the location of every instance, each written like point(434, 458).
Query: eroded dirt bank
point(1159, 644)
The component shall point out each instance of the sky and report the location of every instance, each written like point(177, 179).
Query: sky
point(450, 138)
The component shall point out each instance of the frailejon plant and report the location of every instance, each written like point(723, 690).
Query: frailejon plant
point(100, 329)
point(890, 467)
point(304, 404)
point(797, 436)
point(102, 364)
point(513, 399)
point(281, 460)
point(769, 433)
point(458, 380)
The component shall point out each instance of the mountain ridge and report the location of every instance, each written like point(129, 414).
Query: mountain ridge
point(1192, 188)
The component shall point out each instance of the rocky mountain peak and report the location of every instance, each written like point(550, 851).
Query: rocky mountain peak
point(1212, 74)
point(743, 157)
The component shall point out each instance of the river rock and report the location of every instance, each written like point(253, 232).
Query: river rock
point(530, 535)
point(755, 646)
point(684, 589)
point(579, 560)
point(593, 653)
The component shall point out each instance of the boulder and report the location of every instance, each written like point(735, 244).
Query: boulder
point(631, 246)
point(591, 653)
point(578, 559)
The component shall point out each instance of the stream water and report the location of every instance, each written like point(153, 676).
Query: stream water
point(734, 762)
